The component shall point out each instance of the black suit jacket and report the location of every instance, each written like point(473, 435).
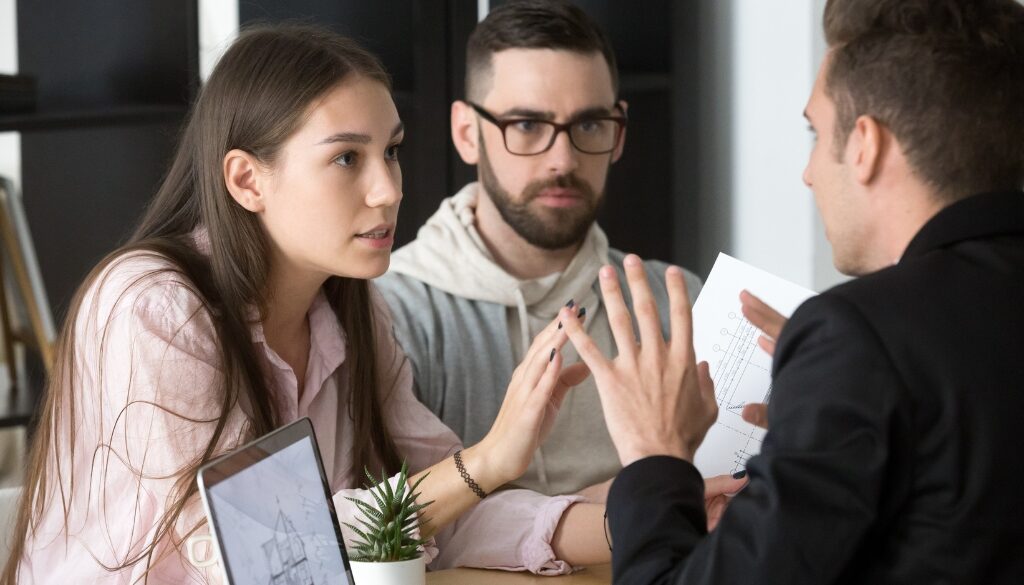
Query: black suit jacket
point(896, 418)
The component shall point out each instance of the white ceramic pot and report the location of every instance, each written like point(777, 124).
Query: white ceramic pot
point(412, 572)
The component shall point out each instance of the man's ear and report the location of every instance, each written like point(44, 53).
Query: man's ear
point(242, 173)
point(865, 148)
point(617, 153)
point(465, 132)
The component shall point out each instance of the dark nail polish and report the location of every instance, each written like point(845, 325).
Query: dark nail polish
point(583, 312)
point(559, 324)
point(571, 303)
point(740, 474)
point(552, 358)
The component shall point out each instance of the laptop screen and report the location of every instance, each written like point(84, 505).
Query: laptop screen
point(272, 514)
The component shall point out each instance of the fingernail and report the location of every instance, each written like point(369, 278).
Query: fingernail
point(552, 358)
point(740, 474)
point(571, 303)
point(583, 312)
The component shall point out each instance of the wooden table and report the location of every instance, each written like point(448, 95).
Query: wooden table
point(599, 575)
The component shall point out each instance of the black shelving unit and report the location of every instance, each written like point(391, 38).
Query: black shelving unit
point(120, 115)
point(114, 82)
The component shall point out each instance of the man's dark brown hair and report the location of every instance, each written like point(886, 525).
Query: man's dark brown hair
point(532, 24)
point(945, 76)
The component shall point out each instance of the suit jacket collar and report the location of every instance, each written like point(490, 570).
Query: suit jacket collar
point(979, 216)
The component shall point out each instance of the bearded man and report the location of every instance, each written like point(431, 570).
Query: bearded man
point(543, 123)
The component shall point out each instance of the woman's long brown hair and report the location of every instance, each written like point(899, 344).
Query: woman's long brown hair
point(258, 95)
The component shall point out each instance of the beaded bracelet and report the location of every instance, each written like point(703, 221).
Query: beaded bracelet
point(465, 476)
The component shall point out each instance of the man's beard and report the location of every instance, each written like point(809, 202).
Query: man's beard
point(548, 228)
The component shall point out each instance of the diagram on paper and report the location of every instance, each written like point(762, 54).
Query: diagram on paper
point(742, 374)
point(741, 370)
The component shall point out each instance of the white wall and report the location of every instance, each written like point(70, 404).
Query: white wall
point(10, 142)
point(12, 440)
point(825, 273)
point(772, 67)
point(776, 49)
point(218, 26)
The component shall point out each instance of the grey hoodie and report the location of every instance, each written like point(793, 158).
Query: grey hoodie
point(465, 323)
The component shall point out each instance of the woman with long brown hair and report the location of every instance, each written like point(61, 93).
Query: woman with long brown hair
point(241, 303)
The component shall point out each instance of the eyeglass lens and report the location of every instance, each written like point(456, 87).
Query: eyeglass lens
point(535, 136)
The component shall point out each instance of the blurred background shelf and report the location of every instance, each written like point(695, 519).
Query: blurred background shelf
point(77, 118)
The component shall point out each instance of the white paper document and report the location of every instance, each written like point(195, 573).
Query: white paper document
point(740, 368)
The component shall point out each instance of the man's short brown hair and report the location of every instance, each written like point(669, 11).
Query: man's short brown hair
point(532, 24)
point(945, 76)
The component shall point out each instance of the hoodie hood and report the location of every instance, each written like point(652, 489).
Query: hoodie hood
point(449, 254)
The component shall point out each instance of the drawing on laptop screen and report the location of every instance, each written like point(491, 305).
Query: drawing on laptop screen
point(290, 541)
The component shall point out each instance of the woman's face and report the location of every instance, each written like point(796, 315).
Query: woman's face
point(332, 195)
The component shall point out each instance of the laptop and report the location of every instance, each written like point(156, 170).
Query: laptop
point(270, 512)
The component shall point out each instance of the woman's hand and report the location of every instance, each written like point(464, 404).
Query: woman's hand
point(656, 400)
point(531, 404)
point(718, 491)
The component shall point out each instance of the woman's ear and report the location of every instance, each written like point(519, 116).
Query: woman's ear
point(242, 177)
point(465, 133)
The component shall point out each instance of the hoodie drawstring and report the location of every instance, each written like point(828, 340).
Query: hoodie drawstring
point(524, 323)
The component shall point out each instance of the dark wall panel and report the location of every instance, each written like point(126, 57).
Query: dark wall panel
point(637, 212)
point(91, 159)
point(84, 191)
point(106, 53)
point(385, 27)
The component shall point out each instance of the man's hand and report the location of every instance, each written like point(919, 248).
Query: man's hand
point(756, 413)
point(717, 491)
point(656, 400)
point(764, 318)
point(770, 322)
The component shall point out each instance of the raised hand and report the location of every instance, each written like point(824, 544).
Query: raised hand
point(656, 400)
point(534, 395)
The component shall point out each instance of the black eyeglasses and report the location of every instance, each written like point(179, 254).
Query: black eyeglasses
point(529, 136)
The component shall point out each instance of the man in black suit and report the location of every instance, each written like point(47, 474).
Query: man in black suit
point(898, 397)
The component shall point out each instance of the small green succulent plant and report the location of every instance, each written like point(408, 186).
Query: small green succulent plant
point(388, 524)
